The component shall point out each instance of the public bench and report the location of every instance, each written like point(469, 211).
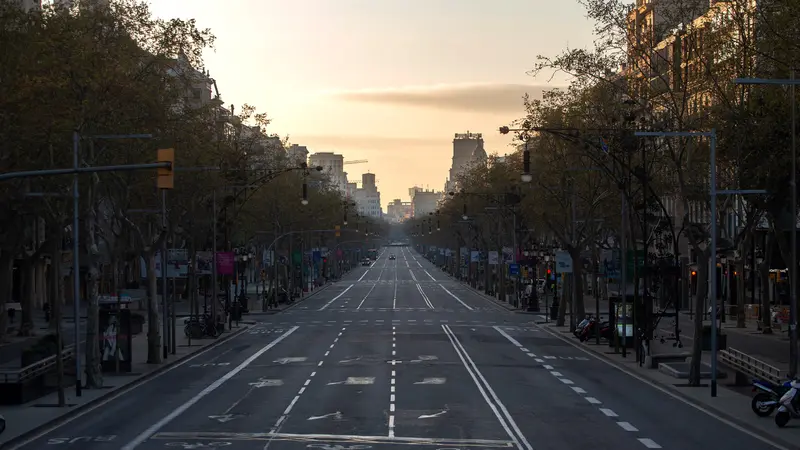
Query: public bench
point(18, 386)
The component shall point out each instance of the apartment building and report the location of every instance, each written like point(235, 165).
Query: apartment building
point(368, 198)
point(333, 167)
point(467, 150)
point(425, 201)
point(398, 211)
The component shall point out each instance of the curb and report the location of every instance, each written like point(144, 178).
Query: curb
point(273, 312)
point(669, 390)
point(494, 301)
point(77, 411)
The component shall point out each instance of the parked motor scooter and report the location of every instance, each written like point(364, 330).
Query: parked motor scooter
point(589, 330)
point(767, 395)
point(579, 328)
point(789, 405)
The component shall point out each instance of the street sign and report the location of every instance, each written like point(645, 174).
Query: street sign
point(513, 269)
point(563, 262)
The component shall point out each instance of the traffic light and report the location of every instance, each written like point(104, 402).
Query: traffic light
point(166, 175)
point(338, 230)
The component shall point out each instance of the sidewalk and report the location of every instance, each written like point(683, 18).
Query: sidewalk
point(27, 419)
point(731, 403)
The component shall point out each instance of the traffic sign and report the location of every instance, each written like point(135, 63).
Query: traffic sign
point(563, 262)
point(513, 269)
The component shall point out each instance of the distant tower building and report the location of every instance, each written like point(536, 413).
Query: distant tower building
point(368, 198)
point(467, 149)
point(332, 166)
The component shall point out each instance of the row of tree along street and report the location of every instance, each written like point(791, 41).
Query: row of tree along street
point(105, 77)
point(594, 184)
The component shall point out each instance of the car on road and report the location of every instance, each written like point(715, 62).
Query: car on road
point(366, 262)
point(391, 257)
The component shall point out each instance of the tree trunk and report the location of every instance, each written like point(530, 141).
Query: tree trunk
point(94, 374)
point(763, 273)
point(699, 311)
point(577, 284)
point(153, 329)
point(741, 284)
point(26, 302)
point(54, 300)
point(6, 275)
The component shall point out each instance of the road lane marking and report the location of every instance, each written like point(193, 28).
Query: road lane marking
point(627, 426)
point(393, 379)
point(454, 296)
point(285, 415)
point(337, 297)
point(364, 274)
point(578, 390)
point(498, 408)
point(153, 429)
point(432, 381)
point(332, 438)
point(608, 412)
point(434, 279)
point(365, 297)
point(424, 297)
point(412, 275)
point(507, 336)
point(593, 400)
point(649, 443)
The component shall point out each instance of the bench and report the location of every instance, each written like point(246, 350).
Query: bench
point(748, 367)
point(654, 360)
point(18, 386)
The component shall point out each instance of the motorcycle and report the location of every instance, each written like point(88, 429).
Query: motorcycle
point(789, 405)
point(767, 395)
point(589, 329)
point(579, 328)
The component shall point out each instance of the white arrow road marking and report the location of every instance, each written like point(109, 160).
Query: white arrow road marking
point(432, 381)
point(354, 380)
point(336, 415)
point(263, 382)
point(153, 429)
point(290, 360)
point(430, 416)
point(223, 418)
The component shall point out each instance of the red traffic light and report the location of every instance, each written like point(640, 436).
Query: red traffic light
point(548, 271)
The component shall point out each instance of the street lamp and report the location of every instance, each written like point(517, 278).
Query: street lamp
point(792, 82)
point(304, 201)
point(526, 176)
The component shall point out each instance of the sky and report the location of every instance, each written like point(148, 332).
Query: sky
point(389, 81)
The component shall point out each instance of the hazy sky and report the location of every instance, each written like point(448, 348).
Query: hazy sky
point(390, 81)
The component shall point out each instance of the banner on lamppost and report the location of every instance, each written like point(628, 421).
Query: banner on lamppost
point(225, 263)
point(493, 257)
point(563, 262)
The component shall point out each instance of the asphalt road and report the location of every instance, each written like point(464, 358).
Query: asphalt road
point(397, 355)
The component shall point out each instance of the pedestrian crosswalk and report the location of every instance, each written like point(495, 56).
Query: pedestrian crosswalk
point(392, 282)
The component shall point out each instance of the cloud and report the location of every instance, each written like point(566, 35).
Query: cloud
point(475, 97)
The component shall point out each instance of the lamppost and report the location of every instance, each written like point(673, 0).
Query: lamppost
point(791, 82)
point(713, 192)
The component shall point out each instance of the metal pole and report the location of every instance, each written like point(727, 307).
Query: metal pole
point(572, 310)
point(76, 263)
point(624, 274)
point(713, 261)
point(793, 271)
point(214, 285)
point(165, 312)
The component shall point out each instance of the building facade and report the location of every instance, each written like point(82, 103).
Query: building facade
point(467, 150)
point(368, 198)
point(398, 211)
point(332, 166)
point(424, 202)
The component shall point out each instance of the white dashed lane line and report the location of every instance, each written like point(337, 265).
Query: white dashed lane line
point(288, 410)
point(392, 384)
point(627, 426)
